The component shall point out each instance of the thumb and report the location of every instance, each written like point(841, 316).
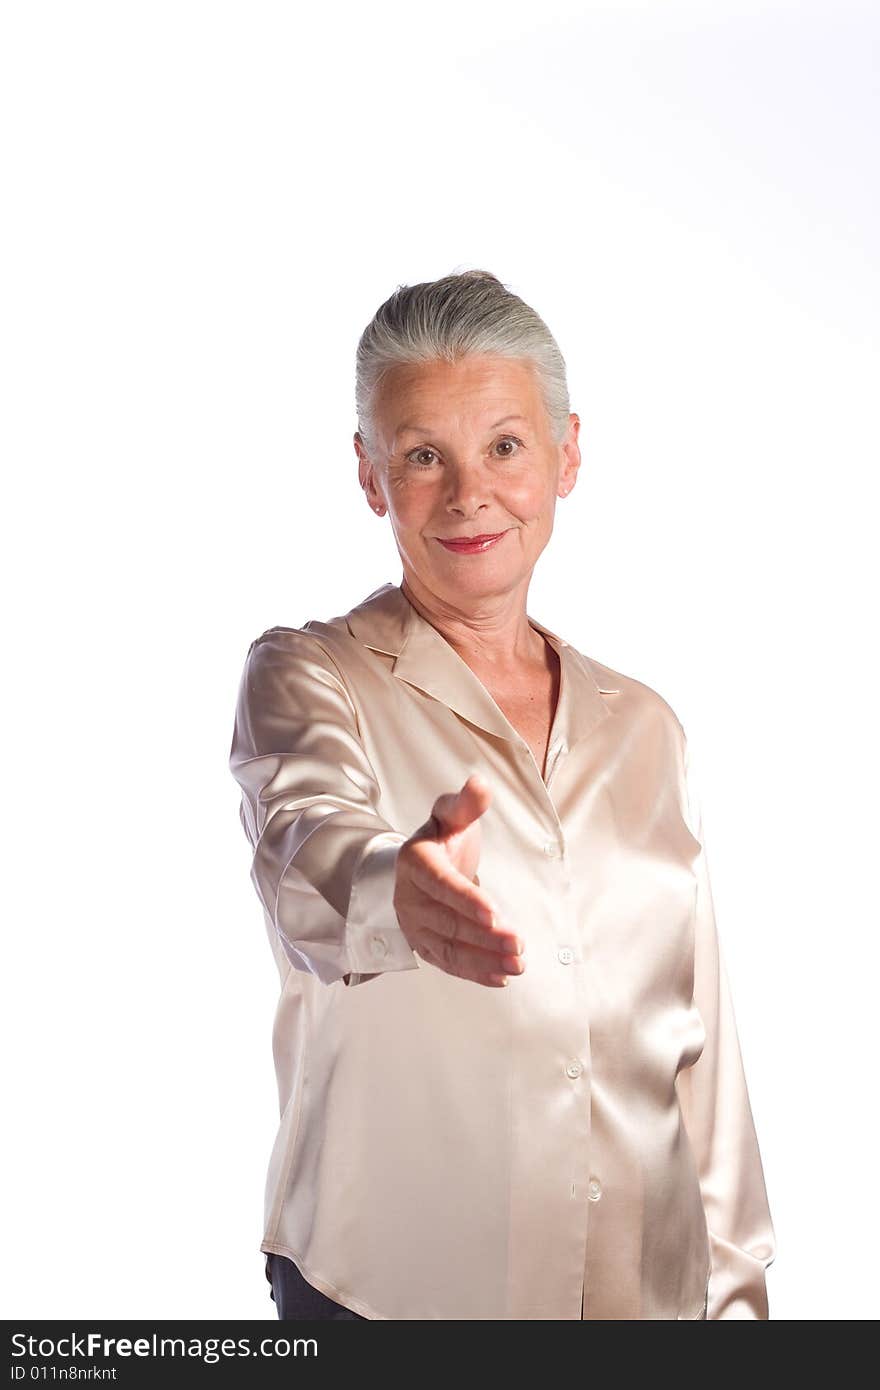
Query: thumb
point(455, 811)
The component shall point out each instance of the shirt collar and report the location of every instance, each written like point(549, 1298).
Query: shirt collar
point(387, 622)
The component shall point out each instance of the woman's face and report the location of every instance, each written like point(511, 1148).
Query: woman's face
point(465, 449)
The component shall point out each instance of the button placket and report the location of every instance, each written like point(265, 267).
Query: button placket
point(552, 758)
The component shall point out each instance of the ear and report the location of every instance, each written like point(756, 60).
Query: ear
point(367, 476)
point(570, 457)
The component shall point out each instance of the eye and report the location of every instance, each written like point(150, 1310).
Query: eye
point(423, 449)
point(511, 439)
point(413, 455)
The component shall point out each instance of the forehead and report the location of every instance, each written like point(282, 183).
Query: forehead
point(479, 389)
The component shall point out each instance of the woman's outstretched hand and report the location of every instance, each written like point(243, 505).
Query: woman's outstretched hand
point(446, 917)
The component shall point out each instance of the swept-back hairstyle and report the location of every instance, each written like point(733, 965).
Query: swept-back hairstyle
point(470, 311)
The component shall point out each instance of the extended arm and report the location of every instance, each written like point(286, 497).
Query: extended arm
point(324, 863)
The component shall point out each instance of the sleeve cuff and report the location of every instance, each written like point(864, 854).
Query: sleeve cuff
point(374, 937)
point(738, 1283)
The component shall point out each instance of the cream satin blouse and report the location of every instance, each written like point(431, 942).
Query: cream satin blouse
point(577, 1145)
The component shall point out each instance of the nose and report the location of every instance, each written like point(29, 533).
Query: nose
point(468, 491)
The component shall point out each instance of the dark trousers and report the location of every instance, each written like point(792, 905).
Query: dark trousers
point(295, 1298)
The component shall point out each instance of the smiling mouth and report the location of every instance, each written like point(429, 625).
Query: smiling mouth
point(471, 544)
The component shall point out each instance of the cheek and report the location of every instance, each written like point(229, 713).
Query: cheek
point(412, 505)
point(529, 500)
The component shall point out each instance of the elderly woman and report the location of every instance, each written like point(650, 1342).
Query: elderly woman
point(509, 1073)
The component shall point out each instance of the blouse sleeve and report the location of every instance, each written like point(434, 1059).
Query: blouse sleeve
point(718, 1119)
point(324, 861)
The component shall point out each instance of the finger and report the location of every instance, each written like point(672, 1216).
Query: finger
point(481, 967)
point(473, 957)
point(432, 873)
point(455, 811)
point(446, 886)
point(448, 926)
point(494, 978)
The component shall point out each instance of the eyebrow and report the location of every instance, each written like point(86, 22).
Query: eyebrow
point(423, 429)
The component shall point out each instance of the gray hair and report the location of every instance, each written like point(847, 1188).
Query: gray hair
point(470, 311)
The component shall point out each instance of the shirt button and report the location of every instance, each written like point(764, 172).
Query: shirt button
point(566, 955)
point(595, 1189)
point(574, 1068)
point(551, 849)
point(377, 946)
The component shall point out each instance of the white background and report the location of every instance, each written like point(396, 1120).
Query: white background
point(204, 205)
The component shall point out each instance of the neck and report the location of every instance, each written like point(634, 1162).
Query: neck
point(492, 632)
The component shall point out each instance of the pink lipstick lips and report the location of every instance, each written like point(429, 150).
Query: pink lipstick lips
point(472, 545)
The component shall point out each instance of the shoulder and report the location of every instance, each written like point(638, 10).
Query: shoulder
point(285, 662)
point(316, 638)
point(357, 643)
point(635, 700)
point(319, 657)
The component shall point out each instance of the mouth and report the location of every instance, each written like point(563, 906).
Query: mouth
point(472, 545)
